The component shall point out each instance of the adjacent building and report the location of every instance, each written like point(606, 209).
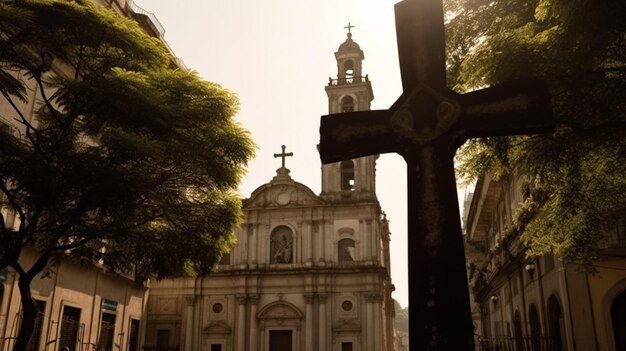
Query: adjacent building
point(80, 308)
point(309, 272)
point(539, 304)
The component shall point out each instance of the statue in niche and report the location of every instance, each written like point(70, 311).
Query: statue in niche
point(281, 246)
point(346, 251)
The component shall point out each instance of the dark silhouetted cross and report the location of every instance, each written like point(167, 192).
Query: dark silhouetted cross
point(426, 125)
point(283, 155)
point(349, 27)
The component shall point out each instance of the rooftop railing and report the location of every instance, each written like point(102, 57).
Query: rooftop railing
point(348, 80)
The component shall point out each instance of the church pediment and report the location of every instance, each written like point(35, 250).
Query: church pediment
point(347, 325)
point(282, 191)
point(280, 310)
point(217, 328)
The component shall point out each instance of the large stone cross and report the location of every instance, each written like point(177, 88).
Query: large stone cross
point(426, 125)
point(283, 155)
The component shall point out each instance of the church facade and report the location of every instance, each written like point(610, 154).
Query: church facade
point(309, 272)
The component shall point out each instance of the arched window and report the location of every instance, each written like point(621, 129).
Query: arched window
point(555, 322)
point(347, 104)
point(346, 251)
point(535, 329)
point(618, 318)
point(347, 175)
point(519, 334)
point(281, 246)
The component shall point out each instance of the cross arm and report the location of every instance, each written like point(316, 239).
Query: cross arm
point(344, 136)
point(521, 107)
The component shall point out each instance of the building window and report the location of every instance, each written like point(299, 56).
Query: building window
point(346, 346)
point(618, 318)
point(107, 329)
point(217, 307)
point(535, 328)
point(281, 247)
point(33, 344)
point(555, 322)
point(346, 251)
point(347, 104)
point(347, 305)
point(216, 347)
point(70, 323)
point(347, 175)
point(133, 338)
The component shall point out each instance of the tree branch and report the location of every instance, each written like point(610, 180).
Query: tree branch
point(51, 108)
point(25, 122)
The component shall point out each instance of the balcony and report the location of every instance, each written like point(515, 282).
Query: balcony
point(152, 20)
point(348, 80)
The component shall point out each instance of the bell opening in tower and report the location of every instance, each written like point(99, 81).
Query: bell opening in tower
point(348, 71)
point(347, 175)
point(347, 104)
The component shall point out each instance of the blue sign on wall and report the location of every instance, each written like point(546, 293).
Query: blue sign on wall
point(109, 305)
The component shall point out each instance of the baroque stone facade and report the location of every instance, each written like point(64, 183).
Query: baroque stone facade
point(308, 272)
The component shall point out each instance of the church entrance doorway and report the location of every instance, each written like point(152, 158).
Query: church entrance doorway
point(281, 340)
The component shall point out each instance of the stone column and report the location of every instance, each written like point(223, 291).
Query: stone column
point(308, 330)
point(370, 331)
point(376, 300)
point(254, 302)
point(189, 323)
point(254, 233)
point(309, 250)
point(322, 322)
point(241, 322)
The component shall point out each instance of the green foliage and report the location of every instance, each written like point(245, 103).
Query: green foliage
point(125, 160)
point(401, 320)
point(576, 176)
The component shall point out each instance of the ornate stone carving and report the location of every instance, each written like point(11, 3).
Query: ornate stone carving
point(322, 297)
point(241, 299)
point(373, 297)
point(254, 299)
point(308, 298)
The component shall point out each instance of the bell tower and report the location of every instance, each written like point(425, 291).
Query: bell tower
point(351, 180)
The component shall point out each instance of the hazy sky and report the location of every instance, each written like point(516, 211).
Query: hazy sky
point(277, 56)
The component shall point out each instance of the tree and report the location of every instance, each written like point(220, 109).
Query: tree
point(401, 320)
point(576, 177)
point(123, 160)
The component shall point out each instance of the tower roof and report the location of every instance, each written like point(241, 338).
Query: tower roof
point(349, 45)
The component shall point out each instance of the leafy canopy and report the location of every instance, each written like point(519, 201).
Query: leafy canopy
point(114, 155)
point(576, 177)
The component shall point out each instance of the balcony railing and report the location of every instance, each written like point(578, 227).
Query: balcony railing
point(155, 21)
point(348, 80)
point(523, 343)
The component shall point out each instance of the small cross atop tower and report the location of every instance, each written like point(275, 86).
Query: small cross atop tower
point(283, 155)
point(349, 27)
